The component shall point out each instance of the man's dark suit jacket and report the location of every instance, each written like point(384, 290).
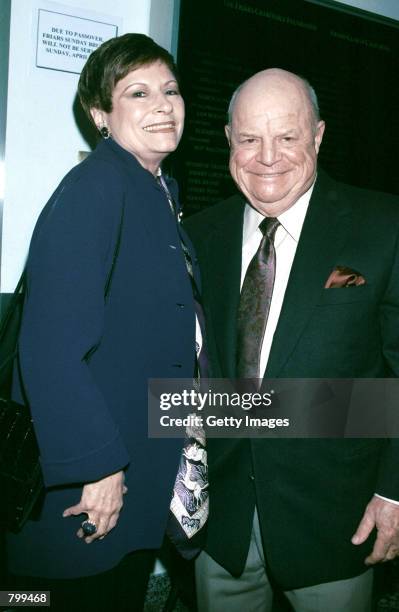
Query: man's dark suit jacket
point(310, 493)
point(84, 364)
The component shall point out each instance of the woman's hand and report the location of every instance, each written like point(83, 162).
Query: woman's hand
point(102, 501)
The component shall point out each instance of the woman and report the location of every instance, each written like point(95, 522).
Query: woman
point(109, 304)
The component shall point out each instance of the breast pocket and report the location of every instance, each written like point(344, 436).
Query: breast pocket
point(346, 295)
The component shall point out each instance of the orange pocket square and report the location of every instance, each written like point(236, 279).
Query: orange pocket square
point(342, 276)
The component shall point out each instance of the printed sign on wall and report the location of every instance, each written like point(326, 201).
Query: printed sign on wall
point(64, 42)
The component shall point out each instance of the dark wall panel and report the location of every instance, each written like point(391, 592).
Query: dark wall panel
point(351, 58)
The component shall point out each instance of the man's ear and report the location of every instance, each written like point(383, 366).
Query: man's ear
point(321, 126)
point(98, 117)
point(227, 131)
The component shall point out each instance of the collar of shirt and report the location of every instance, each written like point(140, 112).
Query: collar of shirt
point(290, 220)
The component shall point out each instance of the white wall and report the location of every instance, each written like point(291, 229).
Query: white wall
point(388, 8)
point(162, 18)
point(42, 138)
point(5, 12)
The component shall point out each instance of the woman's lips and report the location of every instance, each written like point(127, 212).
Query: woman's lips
point(166, 126)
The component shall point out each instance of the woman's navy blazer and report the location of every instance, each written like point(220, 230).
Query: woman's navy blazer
point(84, 361)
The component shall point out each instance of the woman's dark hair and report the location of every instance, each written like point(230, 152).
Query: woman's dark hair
point(111, 62)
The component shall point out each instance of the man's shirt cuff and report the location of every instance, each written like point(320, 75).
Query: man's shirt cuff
point(393, 501)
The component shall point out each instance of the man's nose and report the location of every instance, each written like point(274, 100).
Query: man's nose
point(268, 153)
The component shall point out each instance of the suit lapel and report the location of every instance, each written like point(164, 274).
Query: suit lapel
point(224, 270)
point(325, 231)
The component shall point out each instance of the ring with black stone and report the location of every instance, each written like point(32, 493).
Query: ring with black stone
point(89, 528)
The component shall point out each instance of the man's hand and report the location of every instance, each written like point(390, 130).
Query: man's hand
point(102, 501)
point(384, 516)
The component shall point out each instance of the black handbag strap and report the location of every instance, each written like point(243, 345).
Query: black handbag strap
point(19, 291)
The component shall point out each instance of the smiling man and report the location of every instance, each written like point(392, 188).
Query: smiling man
point(300, 280)
point(274, 140)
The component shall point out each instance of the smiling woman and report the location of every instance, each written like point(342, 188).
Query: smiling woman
point(139, 103)
point(147, 114)
point(109, 305)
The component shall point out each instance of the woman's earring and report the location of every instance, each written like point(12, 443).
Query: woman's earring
point(104, 131)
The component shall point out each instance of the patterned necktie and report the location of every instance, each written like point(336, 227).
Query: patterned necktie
point(189, 507)
point(256, 295)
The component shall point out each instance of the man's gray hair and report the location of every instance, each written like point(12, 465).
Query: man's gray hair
point(314, 103)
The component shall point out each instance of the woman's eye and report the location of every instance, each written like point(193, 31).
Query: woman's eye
point(172, 92)
point(138, 94)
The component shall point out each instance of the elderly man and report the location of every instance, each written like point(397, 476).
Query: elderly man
point(308, 515)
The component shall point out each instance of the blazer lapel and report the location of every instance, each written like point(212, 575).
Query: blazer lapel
point(325, 231)
point(224, 274)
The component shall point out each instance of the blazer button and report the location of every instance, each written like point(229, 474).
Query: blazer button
point(177, 365)
point(251, 477)
point(180, 305)
point(172, 246)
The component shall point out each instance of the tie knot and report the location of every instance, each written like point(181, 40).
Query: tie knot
point(268, 226)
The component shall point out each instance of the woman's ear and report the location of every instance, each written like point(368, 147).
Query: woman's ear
point(98, 117)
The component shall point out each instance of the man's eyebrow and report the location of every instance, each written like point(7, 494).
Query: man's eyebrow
point(251, 134)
